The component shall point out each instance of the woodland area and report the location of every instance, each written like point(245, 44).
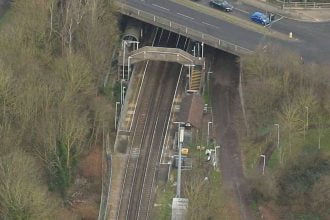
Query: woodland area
point(287, 108)
point(54, 56)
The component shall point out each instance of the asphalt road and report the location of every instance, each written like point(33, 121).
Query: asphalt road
point(313, 42)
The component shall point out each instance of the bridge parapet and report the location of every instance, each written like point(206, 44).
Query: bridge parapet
point(164, 54)
point(181, 29)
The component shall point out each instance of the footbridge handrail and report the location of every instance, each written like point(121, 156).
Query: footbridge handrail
point(181, 29)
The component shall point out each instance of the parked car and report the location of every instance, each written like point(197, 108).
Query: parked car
point(221, 4)
point(260, 18)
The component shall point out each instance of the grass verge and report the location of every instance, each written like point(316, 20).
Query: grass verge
point(163, 203)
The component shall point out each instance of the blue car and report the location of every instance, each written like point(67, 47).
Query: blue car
point(260, 18)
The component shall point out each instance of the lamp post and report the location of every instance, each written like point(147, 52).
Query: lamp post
point(117, 103)
point(306, 125)
point(124, 93)
point(124, 49)
point(278, 135)
point(128, 66)
point(198, 49)
point(278, 140)
point(306, 117)
point(264, 163)
point(215, 151)
point(208, 132)
point(180, 142)
point(121, 92)
point(125, 42)
point(202, 49)
point(123, 89)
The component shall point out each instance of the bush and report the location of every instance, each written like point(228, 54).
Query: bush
point(297, 184)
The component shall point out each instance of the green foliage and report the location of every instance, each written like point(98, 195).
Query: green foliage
point(300, 189)
point(112, 93)
point(164, 200)
point(296, 182)
point(298, 178)
point(116, 91)
point(63, 169)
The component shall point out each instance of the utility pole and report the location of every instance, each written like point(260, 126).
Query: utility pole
point(180, 142)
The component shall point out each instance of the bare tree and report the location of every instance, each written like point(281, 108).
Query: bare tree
point(22, 193)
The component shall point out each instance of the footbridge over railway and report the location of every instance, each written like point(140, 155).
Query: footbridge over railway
point(196, 65)
point(161, 54)
point(192, 33)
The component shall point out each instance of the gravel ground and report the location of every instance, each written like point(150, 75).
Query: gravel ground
point(225, 103)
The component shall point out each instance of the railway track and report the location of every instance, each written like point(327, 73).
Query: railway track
point(147, 136)
point(145, 146)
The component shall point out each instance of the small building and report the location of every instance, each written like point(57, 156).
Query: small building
point(191, 110)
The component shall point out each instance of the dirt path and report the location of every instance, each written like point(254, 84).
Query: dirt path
point(224, 83)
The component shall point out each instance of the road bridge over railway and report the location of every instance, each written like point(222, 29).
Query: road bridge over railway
point(234, 32)
point(175, 27)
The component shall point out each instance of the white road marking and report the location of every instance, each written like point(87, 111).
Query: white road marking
point(161, 7)
point(185, 16)
point(209, 24)
point(237, 9)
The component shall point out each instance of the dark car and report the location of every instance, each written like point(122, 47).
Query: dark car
point(260, 18)
point(223, 5)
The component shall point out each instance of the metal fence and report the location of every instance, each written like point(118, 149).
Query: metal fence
point(303, 5)
point(106, 187)
point(181, 29)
